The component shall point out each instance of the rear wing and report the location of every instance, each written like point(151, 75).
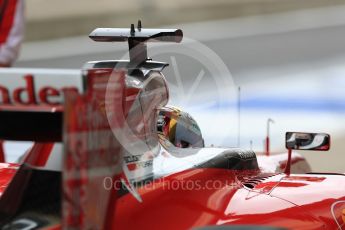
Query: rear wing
point(75, 197)
point(27, 89)
point(31, 102)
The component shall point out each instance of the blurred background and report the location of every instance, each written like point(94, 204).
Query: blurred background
point(287, 56)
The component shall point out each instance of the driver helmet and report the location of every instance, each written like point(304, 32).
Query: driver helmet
point(179, 128)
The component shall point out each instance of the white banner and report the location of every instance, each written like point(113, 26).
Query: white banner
point(32, 87)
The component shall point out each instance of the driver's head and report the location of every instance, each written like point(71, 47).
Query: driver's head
point(179, 128)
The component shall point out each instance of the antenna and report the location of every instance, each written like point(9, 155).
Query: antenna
point(288, 163)
point(139, 25)
point(132, 30)
point(239, 117)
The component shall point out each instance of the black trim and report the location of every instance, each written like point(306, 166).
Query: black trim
point(327, 174)
point(31, 126)
point(233, 160)
point(239, 227)
point(31, 192)
point(120, 64)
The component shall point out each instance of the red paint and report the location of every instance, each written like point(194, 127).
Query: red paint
point(5, 96)
point(229, 205)
point(132, 166)
point(47, 93)
point(294, 160)
point(54, 227)
point(39, 154)
point(287, 205)
point(32, 108)
point(305, 178)
point(7, 20)
point(288, 163)
point(29, 90)
point(7, 171)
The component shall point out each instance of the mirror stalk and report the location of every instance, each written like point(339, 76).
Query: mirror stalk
point(288, 163)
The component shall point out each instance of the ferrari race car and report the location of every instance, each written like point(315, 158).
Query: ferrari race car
point(109, 153)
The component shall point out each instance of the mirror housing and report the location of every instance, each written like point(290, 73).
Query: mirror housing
point(307, 141)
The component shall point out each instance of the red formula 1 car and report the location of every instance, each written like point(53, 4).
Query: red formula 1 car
point(109, 154)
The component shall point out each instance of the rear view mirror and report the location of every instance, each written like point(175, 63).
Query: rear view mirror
point(308, 141)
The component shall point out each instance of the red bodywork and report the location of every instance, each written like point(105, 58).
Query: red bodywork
point(7, 172)
point(208, 197)
point(295, 202)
